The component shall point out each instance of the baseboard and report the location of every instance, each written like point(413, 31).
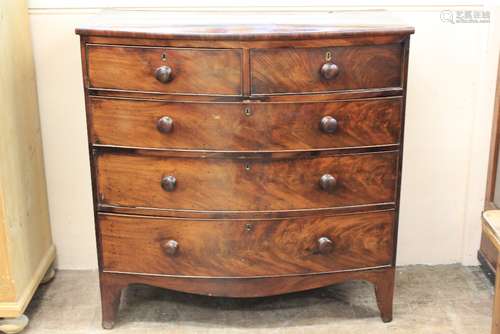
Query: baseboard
point(15, 309)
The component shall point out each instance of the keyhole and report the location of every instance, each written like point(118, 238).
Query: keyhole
point(248, 227)
point(164, 57)
point(247, 167)
point(247, 112)
point(328, 56)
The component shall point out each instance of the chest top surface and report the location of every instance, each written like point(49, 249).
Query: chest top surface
point(244, 26)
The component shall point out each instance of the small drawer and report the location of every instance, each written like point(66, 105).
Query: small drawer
point(310, 70)
point(165, 70)
point(245, 127)
point(239, 248)
point(148, 181)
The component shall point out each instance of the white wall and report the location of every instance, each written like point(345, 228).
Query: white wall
point(449, 105)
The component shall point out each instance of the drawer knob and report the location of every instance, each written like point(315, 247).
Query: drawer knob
point(325, 245)
point(329, 71)
point(327, 182)
point(328, 124)
point(170, 247)
point(163, 74)
point(165, 124)
point(168, 183)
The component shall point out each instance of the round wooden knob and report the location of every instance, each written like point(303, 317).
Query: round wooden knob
point(329, 71)
point(165, 124)
point(327, 182)
point(325, 245)
point(163, 74)
point(328, 124)
point(170, 247)
point(168, 183)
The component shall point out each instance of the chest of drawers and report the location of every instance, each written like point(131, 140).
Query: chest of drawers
point(245, 160)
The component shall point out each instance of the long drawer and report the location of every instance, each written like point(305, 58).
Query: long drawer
point(238, 126)
point(149, 181)
point(239, 248)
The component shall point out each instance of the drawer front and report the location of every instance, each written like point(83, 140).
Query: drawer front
point(182, 71)
point(246, 248)
point(235, 126)
point(237, 185)
point(299, 70)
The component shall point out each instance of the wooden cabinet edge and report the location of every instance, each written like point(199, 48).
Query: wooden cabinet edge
point(14, 308)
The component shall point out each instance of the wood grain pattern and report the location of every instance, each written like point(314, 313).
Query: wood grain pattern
point(195, 71)
point(239, 248)
point(490, 231)
point(496, 303)
point(297, 70)
point(26, 246)
point(244, 287)
point(243, 155)
point(380, 39)
point(225, 126)
point(194, 214)
point(494, 149)
point(112, 285)
point(247, 32)
point(489, 253)
point(223, 184)
point(316, 97)
point(244, 183)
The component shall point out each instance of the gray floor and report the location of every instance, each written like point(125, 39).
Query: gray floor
point(435, 300)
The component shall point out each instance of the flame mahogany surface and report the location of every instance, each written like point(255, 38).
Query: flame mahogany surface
point(358, 67)
point(246, 248)
point(130, 68)
point(233, 185)
point(222, 126)
point(242, 158)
